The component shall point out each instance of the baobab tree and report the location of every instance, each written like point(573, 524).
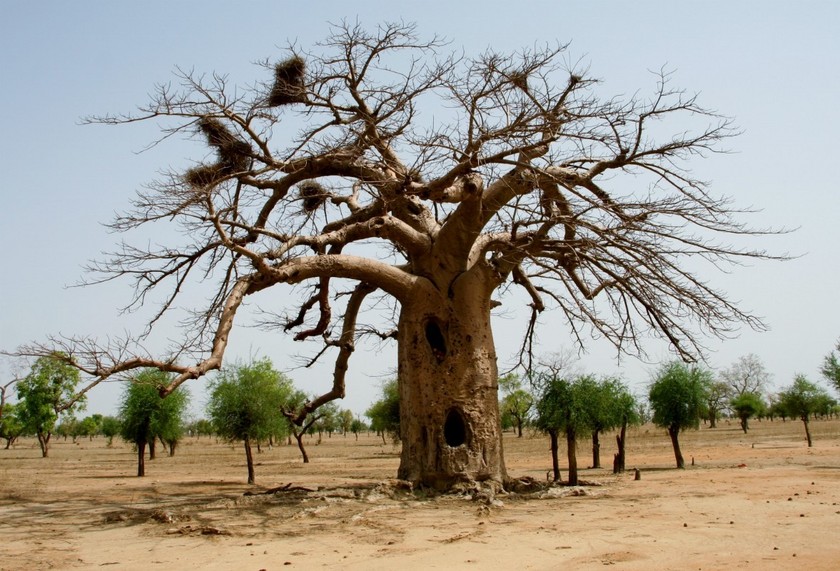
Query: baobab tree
point(444, 184)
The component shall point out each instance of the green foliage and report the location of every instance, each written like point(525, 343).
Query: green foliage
point(201, 427)
point(678, 395)
point(831, 368)
point(47, 391)
point(609, 404)
point(11, 425)
point(109, 427)
point(517, 403)
point(357, 426)
point(746, 406)
point(717, 397)
point(89, 426)
point(145, 416)
point(384, 414)
point(562, 407)
point(246, 401)
point(345, 420)
point(804, 399)
point(327, 420)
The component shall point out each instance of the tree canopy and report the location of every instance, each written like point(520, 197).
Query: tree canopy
point(801, 400)
point(246, 403)
point(384, 413)
point(746, 406)
point(677, 396)
point(831, 368)
point(46, 392)
point(145, 415)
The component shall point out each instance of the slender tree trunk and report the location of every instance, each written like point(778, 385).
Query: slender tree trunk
point(555, 454)
point(172, 445)
point(249, 458)
point(807, 430)
point(152, 449)
point(596, 449)
point(571, 452)
point(712, 419)
point(141, 458)
point(621, 438)
point(299, 438)
point(449, 403)
point(745, 424)
point(674, 433)
point(519, 427)
point(44, 443)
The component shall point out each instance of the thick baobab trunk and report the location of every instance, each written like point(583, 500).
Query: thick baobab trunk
point(448, 380)
point(674, 433)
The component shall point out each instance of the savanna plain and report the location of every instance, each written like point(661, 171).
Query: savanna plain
point(761, 500)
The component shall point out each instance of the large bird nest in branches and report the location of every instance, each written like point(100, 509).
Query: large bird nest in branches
point(313, 195)
point(288, 83)
point(233, 154)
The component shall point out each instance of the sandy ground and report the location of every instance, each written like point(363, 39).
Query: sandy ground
point(757, 501)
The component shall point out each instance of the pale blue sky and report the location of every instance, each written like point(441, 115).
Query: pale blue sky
point(771, 65)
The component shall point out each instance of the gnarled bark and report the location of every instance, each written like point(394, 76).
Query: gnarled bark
point(449, 388)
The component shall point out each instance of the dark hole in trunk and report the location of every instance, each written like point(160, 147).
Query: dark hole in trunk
point(454, 429)
point(434, 336)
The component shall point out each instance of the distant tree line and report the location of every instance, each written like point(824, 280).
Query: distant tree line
point(256, 405)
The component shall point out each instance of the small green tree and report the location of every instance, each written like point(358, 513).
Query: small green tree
point(802, 399)
point(11, 425)
point(718, 396)
point(299, 426)
point(516, 404)
point(145, 416)
point(628, 411)
point(746, 406)
point(562, 408)
point(201, 427)
point(384, 414)
point(90, 426)
point(831, 368)
point(357, 426)
point(109, 428)
point(45, 393)
point(345, 421)
point(246, 404)
point(605, 407)
point(677, 396)
point(327, 420)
